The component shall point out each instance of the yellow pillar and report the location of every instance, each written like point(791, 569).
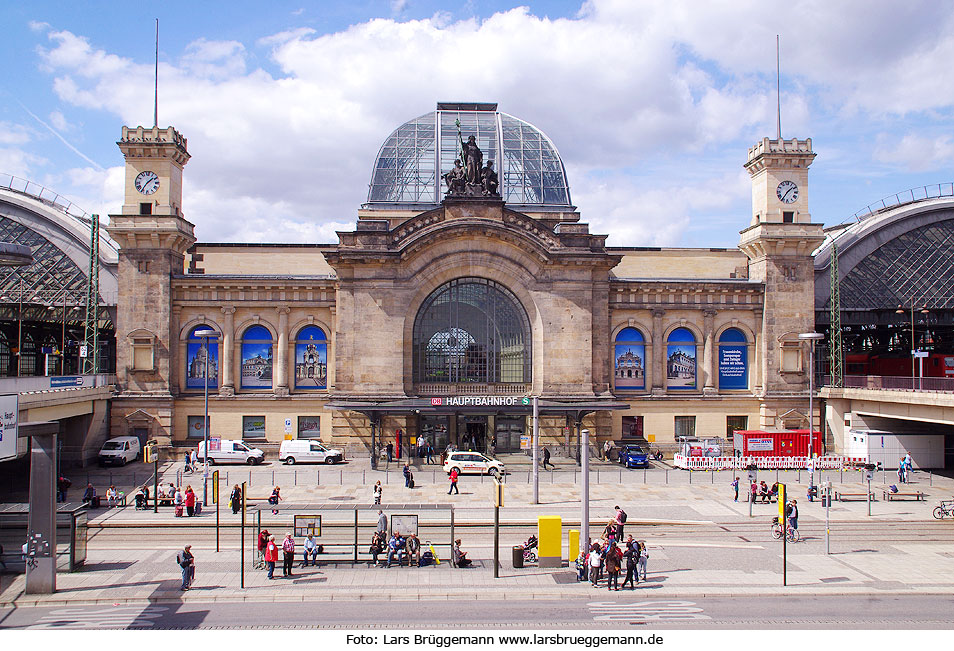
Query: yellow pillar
point(549, 534)
point(572, 545)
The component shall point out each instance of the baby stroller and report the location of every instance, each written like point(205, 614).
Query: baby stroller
point(140, 501)
point(529, 547)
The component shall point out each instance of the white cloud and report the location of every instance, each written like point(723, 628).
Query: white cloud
point(622, 85)
point(13, 134)
point(58, 120)
point(917, 153)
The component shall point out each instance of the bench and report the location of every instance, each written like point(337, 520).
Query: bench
point(916, 495)
point(845, 497)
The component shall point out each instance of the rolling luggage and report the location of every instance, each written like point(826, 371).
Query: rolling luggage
point(178, 510)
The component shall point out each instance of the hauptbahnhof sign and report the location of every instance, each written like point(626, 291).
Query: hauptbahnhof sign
point(479, 401)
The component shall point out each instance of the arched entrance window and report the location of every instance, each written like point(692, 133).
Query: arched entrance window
point(311, 359)
point(733, 360)
point(472, 330)
point(630, 360)
point(195, 360)
point(5, 358)
point(681, 359)
point(257, 358)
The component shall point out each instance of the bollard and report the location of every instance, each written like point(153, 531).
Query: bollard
point(644, 476)
point(317, 478)
point(712, 477)
point(930, 478)
point(690, 478)
point(273, 478)
point(340, 477)
point(363, 480)
point(667, 476)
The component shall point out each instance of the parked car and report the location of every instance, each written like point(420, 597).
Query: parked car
point(305, 451)
point(473, 462)
point(231, 451)
point(633, 456)
point(120, 450)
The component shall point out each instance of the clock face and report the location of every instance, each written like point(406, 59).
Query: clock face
point(787, 192)
point(147, 182)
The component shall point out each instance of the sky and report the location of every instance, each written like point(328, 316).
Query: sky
point(652, 105)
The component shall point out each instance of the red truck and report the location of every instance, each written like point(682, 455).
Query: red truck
point(787, 443)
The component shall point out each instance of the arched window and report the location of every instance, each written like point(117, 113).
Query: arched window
point(28, 356)
point(681, 359)
point(733, 360)
point(6, 358)
point(257, 358)
point(629, 355)
point(196, 354)
point(472, 330)
point(311, 359)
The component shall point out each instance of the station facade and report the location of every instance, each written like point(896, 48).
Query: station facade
point(443, 316)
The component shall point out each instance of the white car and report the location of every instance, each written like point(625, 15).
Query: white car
point(474, 463)
point(303, 451)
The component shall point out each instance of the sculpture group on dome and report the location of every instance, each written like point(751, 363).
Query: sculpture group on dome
point(469, 178)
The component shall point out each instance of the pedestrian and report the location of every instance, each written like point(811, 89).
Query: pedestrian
point(235, 500)
point(89, 496)
point(735, 487)
point(609, 532)
point(607, 447)
point(453, 482)
point(271, 556)
point(595, 560)
point(112, 496)
point(901, 475)
point(262, 544)
point(377, 548)
point(186, 562)
point(396, 549)
point(546, 458)
point(613, 559)
point(382, 529)
point(288, 551)
point(620, 521)
point(429, 451)
point(643, 559)
point(581, 565)
point(390, 450)
point(407, 474)
point(275, 498)
point(187, 469)
point(311, 549)
point(62, 485)
point(189, 501)
point(378, 492)
point(754, 492)
point(413, 550)
point(179, 501)
point(632, 560)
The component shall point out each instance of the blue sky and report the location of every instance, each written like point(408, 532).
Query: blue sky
point(652, 105)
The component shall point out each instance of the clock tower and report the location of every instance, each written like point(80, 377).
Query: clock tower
point(153, 238)
point(779, 244)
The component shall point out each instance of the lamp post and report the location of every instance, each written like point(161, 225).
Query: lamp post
point(811, 337)
point(914, 351)
point(205, 335)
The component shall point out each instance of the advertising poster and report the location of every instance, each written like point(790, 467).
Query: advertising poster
point(253, 427)
point(195, 364)
point(733, 369)
point(630, 367)
point(681, 366)
point(311, 361)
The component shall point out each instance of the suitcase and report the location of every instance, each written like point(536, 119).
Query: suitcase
point(198, 508)
point(178, 510)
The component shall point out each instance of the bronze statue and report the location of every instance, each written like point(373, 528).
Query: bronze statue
point(489, 181)
point(456, 179)
point(473, 158)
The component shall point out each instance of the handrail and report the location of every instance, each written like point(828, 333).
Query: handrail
point(916, 194)
point(47, 196)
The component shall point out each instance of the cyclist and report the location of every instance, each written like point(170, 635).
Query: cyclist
point(791, 511)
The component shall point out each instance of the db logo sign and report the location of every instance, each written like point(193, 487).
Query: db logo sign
point(437, 402)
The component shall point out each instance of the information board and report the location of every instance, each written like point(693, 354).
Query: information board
point(404, 524)
point(307, 525)
point(9, 412)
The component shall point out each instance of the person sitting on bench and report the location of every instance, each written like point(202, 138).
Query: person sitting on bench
point(460, 557)
point(89, 497)
point(396, 548)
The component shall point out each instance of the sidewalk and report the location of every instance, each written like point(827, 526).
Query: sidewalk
point(700, 542)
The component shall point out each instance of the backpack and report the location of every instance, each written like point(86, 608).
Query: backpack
point(622, 516)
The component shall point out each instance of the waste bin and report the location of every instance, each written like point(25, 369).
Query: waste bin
point(517, 556)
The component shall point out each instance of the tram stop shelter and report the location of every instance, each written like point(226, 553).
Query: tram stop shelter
point(344, 528)
point(71, 534)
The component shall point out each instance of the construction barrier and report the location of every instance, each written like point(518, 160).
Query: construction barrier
point(766, 463)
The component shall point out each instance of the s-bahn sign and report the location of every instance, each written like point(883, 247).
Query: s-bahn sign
point(479, 401)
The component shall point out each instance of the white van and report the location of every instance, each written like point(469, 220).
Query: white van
point(120, 450)
point(305, 451)
point(231, 451)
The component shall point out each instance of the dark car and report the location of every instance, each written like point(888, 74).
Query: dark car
point(633, 456)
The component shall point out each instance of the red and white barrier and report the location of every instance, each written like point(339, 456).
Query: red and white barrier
point(765, 463)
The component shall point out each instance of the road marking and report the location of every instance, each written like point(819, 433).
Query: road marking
point(665, 610)
point(111, 617)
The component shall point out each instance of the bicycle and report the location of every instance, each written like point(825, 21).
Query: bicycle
point(791, 532)
point(946, 508)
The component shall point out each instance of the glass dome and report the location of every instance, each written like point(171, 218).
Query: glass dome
point(410, 164)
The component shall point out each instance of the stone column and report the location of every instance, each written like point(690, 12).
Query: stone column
point(761, 354)
point(177, 353)
point(708, 357)
point(659, 355)
point(281, 356)
point(227, 384)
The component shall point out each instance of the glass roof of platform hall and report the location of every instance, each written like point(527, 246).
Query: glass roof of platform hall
point(410, 166)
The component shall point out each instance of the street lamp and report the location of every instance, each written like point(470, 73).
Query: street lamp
point(914, 351)
point(811, 337)
point(205, 335)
